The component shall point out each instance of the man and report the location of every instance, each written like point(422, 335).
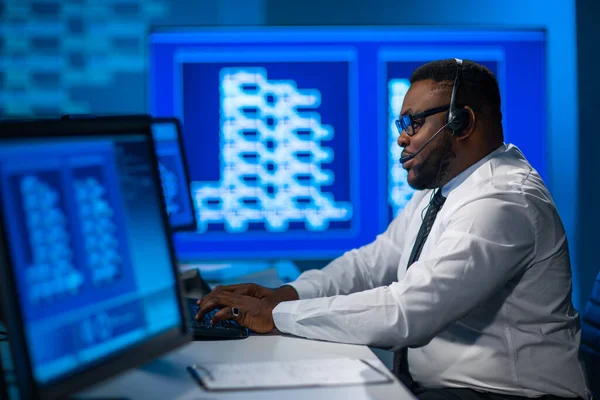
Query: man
point(473, 276)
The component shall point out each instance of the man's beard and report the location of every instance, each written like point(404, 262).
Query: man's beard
point(434, 171)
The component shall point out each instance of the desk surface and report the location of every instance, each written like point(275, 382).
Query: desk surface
point(167, 377)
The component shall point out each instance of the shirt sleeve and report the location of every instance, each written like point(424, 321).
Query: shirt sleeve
point(373, 265)
point(483, 244)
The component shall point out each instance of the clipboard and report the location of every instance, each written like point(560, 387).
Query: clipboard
point(272, 375)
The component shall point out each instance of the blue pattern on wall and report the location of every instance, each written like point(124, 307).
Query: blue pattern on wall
point(53, 52)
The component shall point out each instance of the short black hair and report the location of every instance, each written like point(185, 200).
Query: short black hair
point(478, 87)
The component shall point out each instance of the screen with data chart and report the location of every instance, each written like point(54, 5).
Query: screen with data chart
point(88, 246)
point(290, 131)
point(173, 173)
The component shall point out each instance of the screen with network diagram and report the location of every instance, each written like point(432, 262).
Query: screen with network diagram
point(89, 247)
point(291, 135)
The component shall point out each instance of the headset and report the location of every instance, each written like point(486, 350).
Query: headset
point(458, 118)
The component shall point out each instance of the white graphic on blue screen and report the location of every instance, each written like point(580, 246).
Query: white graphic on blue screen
point(99, 231)
point(52, 272)
point(399, 192)
point(271, 158)
point(170, 188)
point(96, 328)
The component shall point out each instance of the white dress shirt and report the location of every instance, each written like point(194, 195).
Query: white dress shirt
point(488, 304)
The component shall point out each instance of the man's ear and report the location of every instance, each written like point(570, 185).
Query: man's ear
point(470, 128)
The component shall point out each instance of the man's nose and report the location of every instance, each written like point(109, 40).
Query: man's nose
point(403, 139)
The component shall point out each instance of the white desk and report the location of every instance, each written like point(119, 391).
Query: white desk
point(167, 377)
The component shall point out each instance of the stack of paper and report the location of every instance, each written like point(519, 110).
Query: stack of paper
point(284, 374)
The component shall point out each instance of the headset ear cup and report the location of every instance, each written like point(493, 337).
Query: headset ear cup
point(459, 121)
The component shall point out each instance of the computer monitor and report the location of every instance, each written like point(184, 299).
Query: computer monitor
point(172, 164)
point(174, 174)
point(290, 130)
point(87, 271)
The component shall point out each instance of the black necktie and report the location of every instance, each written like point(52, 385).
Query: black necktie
point(400, 356)
point(434, 207)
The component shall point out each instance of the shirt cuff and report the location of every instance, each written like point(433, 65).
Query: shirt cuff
point(284, 316)
point(305, 289)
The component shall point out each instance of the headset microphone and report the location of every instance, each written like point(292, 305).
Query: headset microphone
point(410, 157)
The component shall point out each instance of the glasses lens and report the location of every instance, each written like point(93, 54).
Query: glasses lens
point(399, 126)
point(404, 124)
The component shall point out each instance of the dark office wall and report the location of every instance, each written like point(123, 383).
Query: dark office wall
point(88, 56)
point(588, 59)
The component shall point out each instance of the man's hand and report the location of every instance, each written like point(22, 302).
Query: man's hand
point(273, 296)
point(253, 313)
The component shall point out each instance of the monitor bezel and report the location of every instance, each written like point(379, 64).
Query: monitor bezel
point(115, 363)
point(191, 227)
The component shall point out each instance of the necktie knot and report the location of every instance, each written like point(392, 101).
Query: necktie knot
point(438, 200)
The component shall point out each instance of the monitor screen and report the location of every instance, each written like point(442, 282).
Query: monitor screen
point(88, 247)
point(173, 173)
point(290, 131)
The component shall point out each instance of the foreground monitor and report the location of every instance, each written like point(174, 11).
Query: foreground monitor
point(290, 131)
point(87, 271)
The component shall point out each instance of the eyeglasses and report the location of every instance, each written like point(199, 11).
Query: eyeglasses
point(411, 123)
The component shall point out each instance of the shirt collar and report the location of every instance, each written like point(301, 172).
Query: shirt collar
point(460, 178)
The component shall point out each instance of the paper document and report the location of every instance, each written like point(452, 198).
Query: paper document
point(282, 374)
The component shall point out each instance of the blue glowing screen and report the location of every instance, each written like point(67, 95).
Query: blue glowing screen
point(89, 248)
point(290, 135)
point(277, 168)
point(174, 180)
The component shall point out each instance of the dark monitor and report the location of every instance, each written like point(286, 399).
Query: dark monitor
point(174, 175)
point(87, 271)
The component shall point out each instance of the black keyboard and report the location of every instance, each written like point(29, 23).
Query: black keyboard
point(203, 330)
